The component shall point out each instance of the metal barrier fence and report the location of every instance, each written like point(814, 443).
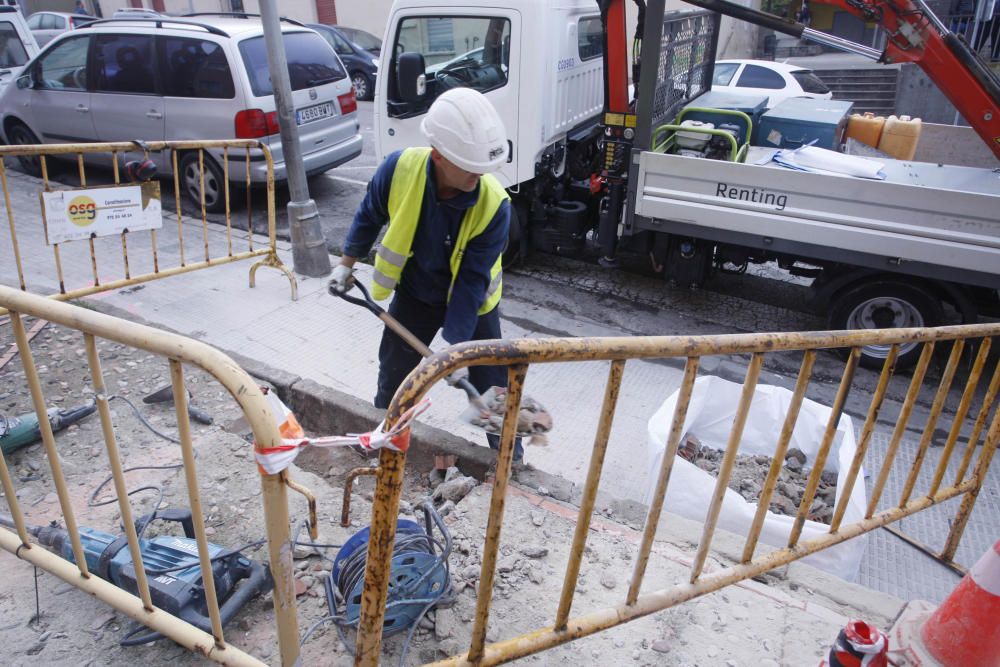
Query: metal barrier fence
point(178, 351)
point(982, 36)
point(519, 354)
point(110, 155)
point(972, 342)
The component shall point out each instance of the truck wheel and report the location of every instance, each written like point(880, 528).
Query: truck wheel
point(215, 193)
point(885, 305)
point(512, 254)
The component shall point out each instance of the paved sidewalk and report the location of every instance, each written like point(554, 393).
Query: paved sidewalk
point(334, 343)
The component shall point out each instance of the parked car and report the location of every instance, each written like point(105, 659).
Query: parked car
point(359, 50)
point(778, 81)
point(48, 25)
point(17, 44)
point(184, 79)
point(362, 38)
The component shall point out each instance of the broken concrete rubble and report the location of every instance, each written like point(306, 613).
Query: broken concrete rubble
point(750, 471)
point(454, 490)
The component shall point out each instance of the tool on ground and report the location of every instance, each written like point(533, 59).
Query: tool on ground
point(165, 394)
point(419, 577)
point(175, 584)
point(23, 430)
point(486, 410)
point(859, 645)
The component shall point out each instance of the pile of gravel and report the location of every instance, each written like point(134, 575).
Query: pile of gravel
point(750, 472)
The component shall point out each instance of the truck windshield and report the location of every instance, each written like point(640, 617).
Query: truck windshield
point(459, 51)
point(311, 62)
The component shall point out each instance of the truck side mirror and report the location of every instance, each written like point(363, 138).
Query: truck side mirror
point(411, 80)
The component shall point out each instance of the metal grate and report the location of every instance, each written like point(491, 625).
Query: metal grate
point(686, 58)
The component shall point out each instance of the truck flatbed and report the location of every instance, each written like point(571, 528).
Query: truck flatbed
point(922, 218)
point(907, 172)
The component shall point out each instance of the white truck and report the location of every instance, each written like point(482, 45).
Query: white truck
point(886, 253)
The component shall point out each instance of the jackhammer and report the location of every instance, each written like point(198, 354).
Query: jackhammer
point(175, 581)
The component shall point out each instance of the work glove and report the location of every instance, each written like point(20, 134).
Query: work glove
point(342, 279)
point(457, 376)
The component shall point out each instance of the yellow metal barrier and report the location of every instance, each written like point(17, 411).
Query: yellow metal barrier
point(517, 355)
point(156, 260)
point(178, 351)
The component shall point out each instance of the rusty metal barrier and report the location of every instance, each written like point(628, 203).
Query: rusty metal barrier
point(519, 354)
point(178, 351)
point(110, 155)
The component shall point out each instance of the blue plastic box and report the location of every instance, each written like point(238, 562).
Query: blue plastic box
point(799, 120)
point(749, 103)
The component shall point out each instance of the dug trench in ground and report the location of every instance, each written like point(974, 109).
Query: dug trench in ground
point(787, 618)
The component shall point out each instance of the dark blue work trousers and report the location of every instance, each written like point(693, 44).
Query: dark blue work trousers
point(396, 357)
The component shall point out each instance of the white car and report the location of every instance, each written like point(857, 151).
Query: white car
point(778, 81)
point(17, 44)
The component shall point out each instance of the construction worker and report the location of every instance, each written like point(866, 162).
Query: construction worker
point(441, 255)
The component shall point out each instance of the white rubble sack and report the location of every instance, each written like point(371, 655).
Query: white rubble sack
point(710, 416)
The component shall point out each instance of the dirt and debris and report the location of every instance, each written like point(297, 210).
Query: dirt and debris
point(750, 472)
point(72, 628)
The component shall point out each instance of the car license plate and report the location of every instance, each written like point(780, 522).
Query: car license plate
point(310, 114)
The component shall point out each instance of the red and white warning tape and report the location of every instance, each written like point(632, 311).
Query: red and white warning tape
point(272, 460)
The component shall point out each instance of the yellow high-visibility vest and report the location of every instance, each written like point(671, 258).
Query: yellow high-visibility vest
point(406, 195)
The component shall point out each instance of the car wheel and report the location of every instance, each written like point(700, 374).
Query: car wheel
point(362, 86)
point(20, 135)
point(886, 305)
point(215, 192)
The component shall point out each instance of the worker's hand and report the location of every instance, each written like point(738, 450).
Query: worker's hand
point(342, 278)
point(457, 376)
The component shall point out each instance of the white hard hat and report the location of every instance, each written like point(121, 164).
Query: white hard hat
point(464, 127)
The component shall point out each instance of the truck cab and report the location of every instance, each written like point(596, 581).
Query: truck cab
point(539, 64)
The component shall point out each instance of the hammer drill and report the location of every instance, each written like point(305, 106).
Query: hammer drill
point(172, 566)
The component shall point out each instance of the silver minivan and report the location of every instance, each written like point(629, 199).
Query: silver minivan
point(185, 79)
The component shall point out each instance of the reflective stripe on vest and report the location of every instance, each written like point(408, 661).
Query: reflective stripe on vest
point(406, 195)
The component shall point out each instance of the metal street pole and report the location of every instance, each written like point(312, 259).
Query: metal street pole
point(309, 253)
